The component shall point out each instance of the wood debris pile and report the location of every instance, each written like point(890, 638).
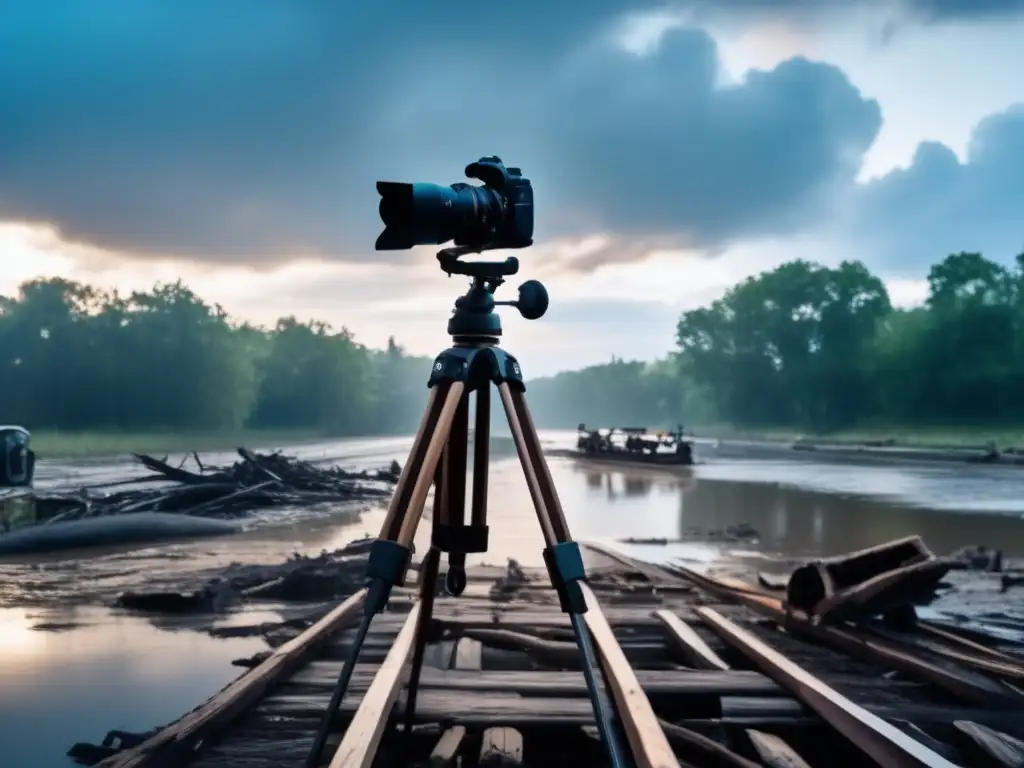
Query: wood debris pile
point(255, 481)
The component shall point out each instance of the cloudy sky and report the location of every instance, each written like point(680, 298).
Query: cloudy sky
point(674, 149)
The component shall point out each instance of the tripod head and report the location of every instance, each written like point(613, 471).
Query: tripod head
point(474, 319)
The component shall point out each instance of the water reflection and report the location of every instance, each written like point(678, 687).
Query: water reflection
point(620, 503)
point(111, 672)
point(800, 522)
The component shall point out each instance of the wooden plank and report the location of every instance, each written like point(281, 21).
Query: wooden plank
point(885, 744)
point(501, 748)
point(362, 737)
point(653, 573)
point(1008, 668)
point(512, 709)
point(647, 740)
point(468, 654)
point(967, 684)
point(470, 618)
point(691, 645)
point(774, 752)
point(1002, 748)
point(174, 745)
point(323, 674)
point(446, 750)
point(964, 643)
point(701, 654)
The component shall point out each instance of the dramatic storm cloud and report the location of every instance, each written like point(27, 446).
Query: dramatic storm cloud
point(254, 131)
point(941, 205)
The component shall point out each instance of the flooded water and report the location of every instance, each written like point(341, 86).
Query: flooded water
point(70, 670)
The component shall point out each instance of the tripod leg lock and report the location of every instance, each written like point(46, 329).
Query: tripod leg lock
point(565, 568)
point(385, 568)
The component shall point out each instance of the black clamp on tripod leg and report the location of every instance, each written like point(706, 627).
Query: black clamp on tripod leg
point(386, 567)
point(564, 562)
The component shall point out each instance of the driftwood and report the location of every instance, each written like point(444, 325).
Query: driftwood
point(255, 481)
point(821, 578)
point(868, 582)
point(326, 576)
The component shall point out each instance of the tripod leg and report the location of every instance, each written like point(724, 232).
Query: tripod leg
point(400, 498)
point(481, 455)
point(563, 558)
point(454, 514)
point(428, 587)
point(389, 557)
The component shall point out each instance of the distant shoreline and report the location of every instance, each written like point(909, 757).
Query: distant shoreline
point(925, 438)
point(54, 444)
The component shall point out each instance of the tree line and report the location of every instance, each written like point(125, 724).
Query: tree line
point(802, 345)
point(73, 357)
point(823, 349)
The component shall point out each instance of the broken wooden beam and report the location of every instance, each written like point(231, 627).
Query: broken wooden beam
point(895, 589)
point(501, 748)
point(962, 682)
point(446, 751)
point(773, 751)
point(866, 582)
point(174, 745)
point(885, 744)
point(820, 578)
point(689, 644)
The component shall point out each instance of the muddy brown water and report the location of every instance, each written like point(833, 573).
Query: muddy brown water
point(70, 670)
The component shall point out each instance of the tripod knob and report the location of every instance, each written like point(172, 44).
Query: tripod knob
point(533, 300)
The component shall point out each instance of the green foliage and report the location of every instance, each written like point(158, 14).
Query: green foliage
point(75, 358)
point(823, 350)
point(802, 346)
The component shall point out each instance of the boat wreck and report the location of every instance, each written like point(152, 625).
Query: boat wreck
point(706, 672)
point(631, 444)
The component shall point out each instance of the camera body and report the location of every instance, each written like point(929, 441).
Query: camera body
point(17, 460)
point(515, 230)
point(498, 214)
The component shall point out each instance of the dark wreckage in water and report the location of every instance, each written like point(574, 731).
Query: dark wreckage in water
point(636, 445)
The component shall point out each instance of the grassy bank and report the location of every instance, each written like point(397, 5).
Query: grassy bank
point(76, 445)
point(919, 437)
